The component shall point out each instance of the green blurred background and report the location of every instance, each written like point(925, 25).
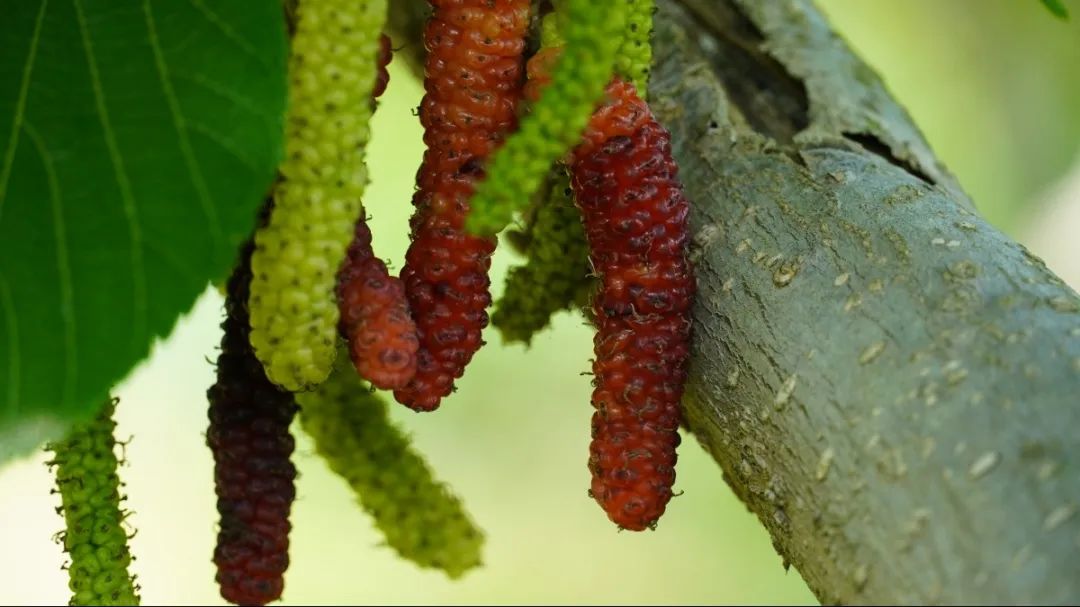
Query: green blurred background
point(995, 86)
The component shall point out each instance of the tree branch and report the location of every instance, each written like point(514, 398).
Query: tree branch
point(888, 382)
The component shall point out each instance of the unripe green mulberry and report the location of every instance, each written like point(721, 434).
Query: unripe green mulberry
point(332, 71)
point(420, 518)
point(634, 60)
point(95, 536)
point(592, 32)
point(555, 272)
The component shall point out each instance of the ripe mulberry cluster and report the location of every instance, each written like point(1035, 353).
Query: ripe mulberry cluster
point(94, 536)
point(332, 72)
point(253, 474)
point(472, 81)
point(626, 185)
point(418, 515)
point(308, 277)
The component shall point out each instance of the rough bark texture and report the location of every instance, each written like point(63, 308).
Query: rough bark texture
point(891, 384)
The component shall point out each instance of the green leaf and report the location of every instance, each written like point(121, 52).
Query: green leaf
point(1057, 7)
point(137, 140)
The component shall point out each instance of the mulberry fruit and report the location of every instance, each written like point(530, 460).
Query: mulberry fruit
point(253, 474)
point(472, 80)
point(419, 517)
point(95, 537)
point(332, 71)
point(375, 316)
point(557, 268)
point(626, 185)
point(591, 34)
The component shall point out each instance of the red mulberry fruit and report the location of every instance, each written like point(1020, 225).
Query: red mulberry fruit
point(626, 185)
point(473, 78)
point(375, 316)
point(249, 437)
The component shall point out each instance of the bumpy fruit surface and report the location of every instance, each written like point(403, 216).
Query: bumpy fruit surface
point(634, 59)
point(555, 272)
point(591, 33)
point(626, 184)
point(95, 537)
point(419, 516)
point(253, 473)
point(472, 81)
point(375, 317)
point(332, 72)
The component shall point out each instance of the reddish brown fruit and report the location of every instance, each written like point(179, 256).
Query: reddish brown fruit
point(473, 79)
point(253, 475)
point(626, 185)
point(375, 316)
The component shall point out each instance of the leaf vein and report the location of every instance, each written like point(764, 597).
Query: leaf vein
point(140, 320)
point(193, 169)
point(20, 106)
point(229, 32)
point(224, 92)
point(63, 266)
point(226, 144)
point(175, 261)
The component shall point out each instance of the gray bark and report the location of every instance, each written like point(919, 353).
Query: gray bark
point(890, 383)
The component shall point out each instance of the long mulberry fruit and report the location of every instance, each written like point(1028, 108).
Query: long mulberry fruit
point(253, 474)
point(473, 76)
point(626, 185)
point(419, 517)
point(95, 537)
point(557, 268)
point(591, 35)
point(332, 71)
